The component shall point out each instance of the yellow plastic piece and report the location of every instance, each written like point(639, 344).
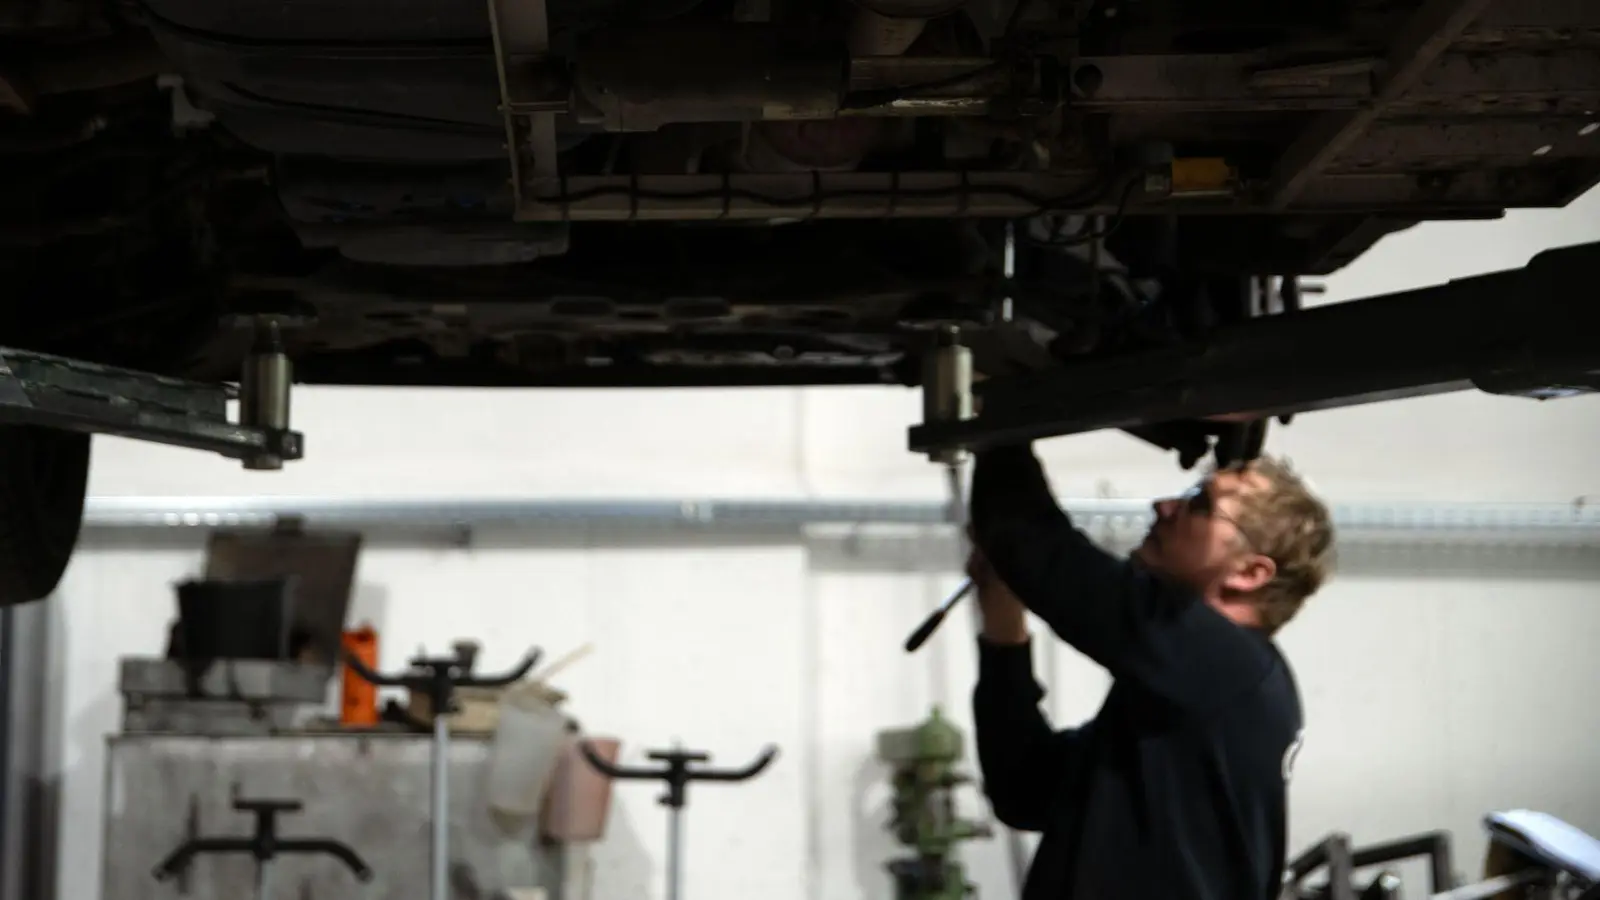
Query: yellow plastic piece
point(1202, 175)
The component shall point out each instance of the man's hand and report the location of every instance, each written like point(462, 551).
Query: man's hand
point(1005, 619)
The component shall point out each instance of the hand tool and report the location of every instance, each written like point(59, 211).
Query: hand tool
point(931, 623)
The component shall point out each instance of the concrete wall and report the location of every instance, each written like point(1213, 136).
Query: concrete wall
point(1439, 685)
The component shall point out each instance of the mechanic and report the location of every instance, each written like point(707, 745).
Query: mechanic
point(1178, 787)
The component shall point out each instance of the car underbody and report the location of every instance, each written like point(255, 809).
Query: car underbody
point(1088, 201)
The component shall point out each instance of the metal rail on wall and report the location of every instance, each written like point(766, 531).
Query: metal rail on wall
point(1560, 523)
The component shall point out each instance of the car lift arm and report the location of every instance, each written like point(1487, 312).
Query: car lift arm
point(73, 395)
point(1532, 332)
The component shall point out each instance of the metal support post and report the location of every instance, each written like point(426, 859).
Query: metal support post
point(947, 389)
point(947, 399)
point(677, 773)
point(27, 838)
point(10, 796)
point(439, 791)
point(437, 678)
point(264, 388)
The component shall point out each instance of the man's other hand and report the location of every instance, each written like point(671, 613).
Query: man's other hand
point(1005, 619)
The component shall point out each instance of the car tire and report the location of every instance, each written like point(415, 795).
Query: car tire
point(44, 475)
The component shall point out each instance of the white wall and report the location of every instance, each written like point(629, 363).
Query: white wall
point(1418, 671)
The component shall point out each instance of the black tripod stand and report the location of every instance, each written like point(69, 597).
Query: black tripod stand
point(677, 774)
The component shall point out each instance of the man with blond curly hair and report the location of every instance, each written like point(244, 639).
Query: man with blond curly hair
point(1177, 789)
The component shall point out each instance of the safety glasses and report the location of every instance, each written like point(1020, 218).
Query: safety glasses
point(1200, 502)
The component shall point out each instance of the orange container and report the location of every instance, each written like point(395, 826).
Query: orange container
point(358, 698)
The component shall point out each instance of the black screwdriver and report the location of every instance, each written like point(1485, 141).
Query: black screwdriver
point(931, 624)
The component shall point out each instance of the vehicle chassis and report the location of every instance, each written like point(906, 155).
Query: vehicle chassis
point(1527, 332)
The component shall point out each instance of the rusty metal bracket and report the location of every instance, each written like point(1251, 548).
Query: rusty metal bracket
point(1565, 82)
point(521, 34)
point(1426, 37)
point(1214, 82)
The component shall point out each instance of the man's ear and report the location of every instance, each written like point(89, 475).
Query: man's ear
point(1250, 574)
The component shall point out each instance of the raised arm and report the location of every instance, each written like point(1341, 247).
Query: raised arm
point(1140, 627)
point(1023, 759)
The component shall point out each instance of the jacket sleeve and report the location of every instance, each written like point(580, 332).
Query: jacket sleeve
point(1024, 762)
point(1135, 624)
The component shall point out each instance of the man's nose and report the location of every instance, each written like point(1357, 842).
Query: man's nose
point(1165, 508)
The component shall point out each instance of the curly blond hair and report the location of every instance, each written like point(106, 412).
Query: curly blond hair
point(1286, 522)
